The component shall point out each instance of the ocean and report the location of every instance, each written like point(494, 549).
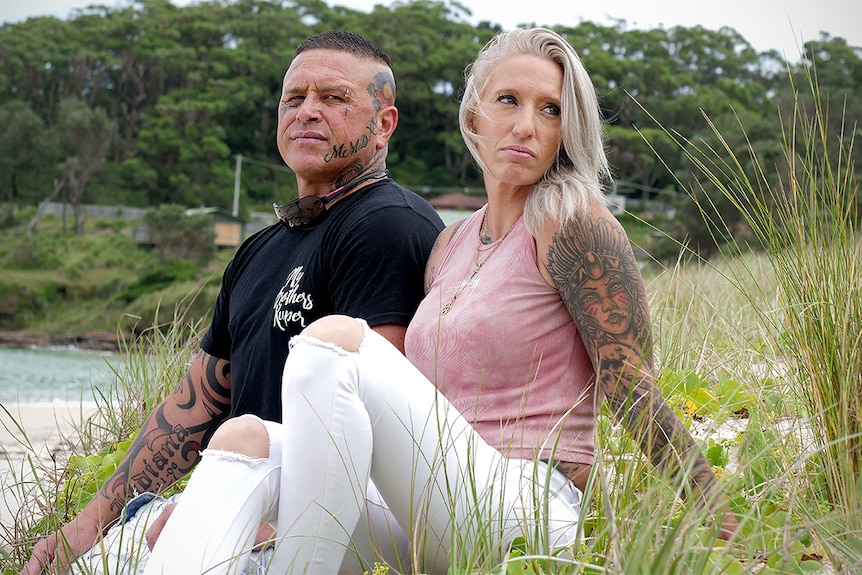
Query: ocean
point(51, 376)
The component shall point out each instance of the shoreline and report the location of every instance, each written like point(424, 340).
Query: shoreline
point(91, 341)
point(52, 377)
point(38, 433)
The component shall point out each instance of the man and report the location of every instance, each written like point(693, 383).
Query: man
point(354, 243)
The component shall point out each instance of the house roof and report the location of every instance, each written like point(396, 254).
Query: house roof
point(458, 200)
point(213, 211)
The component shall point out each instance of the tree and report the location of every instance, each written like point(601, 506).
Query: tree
point(191, 87)
point(23, 149)
point(59, 184)
point(179, 236)
point(86, 134)
point(430, 44)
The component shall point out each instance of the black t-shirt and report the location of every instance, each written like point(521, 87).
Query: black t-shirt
point(366, 259)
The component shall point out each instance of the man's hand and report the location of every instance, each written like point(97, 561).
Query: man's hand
point(184, 421)
point(155, 529)
point(57, 552)
point(265, 534)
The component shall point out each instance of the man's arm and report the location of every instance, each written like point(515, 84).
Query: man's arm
point(394, 332)
point(593, 267)
point(166, 448)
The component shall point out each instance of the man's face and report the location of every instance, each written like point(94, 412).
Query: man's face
point(328, 117)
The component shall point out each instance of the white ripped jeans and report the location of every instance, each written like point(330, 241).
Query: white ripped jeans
point(350, 417)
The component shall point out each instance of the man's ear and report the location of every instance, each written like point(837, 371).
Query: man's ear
point(388, 117)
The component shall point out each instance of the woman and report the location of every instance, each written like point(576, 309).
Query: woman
point(535, 312)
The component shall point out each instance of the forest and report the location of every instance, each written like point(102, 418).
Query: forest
point(151, 104)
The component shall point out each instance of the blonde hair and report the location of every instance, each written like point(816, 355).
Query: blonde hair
point(574, 179)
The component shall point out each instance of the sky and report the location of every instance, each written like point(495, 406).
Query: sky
point(784, 25)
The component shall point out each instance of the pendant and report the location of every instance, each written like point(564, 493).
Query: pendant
point(447, 307)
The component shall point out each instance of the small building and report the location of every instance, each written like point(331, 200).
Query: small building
point(229, 229)
point(455, 207)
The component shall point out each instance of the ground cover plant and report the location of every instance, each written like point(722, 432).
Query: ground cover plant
point(757, 349)
point(808, 323)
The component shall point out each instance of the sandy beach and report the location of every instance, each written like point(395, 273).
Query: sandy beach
point(27, 432)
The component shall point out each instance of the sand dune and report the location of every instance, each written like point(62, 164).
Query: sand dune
point(41, 433)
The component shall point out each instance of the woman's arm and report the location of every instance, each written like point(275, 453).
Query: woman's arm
point(437, 251)
point(592, 265)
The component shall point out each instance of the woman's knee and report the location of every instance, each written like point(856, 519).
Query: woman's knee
point(341, 330)
point(245, 435)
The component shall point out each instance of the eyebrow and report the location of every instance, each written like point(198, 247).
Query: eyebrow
point(508, 89)
point(326, 89)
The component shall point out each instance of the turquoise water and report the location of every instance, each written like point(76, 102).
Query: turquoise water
point(43, 376)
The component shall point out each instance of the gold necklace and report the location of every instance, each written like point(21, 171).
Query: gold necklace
point(462, 285)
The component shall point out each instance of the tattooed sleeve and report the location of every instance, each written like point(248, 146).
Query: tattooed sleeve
point(593, 266)
point(170, 441)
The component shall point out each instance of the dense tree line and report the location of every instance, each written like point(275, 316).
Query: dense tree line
point(150, 103)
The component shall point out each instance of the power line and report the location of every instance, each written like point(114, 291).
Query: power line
point(238, 176)
point(247, 160)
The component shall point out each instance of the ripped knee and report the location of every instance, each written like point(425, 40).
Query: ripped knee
point(341, 330)
point(245, 435)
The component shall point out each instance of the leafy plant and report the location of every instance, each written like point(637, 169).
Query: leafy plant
point(87, 473)
point(808, 224)
point(158, 278)
point(151, 366)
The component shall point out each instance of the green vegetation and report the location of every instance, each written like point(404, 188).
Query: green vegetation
point(722, 368)
point(755, 290)
point(147, 104)
point(809, 228)
point(57, 282)
point(149, 369)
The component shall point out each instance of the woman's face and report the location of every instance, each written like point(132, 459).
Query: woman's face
point(519, 119)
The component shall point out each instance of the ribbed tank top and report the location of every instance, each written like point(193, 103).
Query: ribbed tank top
point(507, 354)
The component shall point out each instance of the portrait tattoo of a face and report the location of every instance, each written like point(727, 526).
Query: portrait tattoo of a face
point(597, 277)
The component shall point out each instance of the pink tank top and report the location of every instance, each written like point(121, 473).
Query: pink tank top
point(507, 354)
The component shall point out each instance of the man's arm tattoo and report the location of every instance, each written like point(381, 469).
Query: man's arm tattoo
point(169, 443)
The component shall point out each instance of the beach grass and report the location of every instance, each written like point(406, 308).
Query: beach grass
point(757, 349)
point(801, 454)
point(709, 328)
point(47, 491)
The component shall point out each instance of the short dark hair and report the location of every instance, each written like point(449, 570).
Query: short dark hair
point(345, 41)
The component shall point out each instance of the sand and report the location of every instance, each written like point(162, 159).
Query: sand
point(44, 434)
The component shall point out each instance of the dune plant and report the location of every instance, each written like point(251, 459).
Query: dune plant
point(52, 492)
point(634, 520)
point(758, 354)
point(807, 223)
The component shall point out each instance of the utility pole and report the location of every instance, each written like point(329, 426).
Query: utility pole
point(236, 179)
point(238, 175)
